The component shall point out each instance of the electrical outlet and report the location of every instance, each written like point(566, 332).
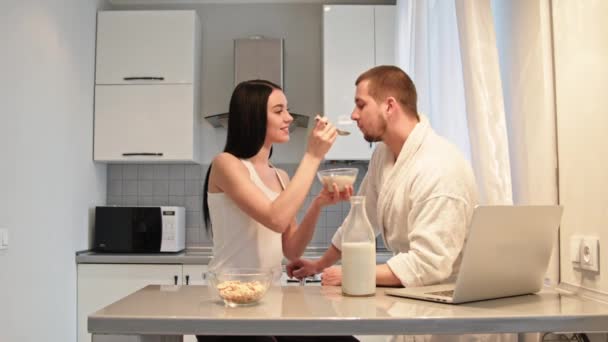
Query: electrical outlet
point(575, 249)
point(590, 254)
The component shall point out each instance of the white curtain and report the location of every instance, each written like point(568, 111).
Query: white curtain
point(523, 30)
point(449, 49)
point(452, 49)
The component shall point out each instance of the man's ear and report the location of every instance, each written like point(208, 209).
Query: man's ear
point(391, 106)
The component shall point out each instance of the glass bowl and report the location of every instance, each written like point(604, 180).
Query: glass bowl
point(240, 286)
point(341, 176)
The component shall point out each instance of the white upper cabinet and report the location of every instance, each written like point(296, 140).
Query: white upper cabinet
point(147, 87)
point(355, 38)
point(146, 47)
point(384, 33)
point(151, 123)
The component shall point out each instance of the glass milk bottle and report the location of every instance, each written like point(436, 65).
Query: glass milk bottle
point(358, 252)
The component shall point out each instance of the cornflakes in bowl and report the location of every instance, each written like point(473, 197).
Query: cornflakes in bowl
point(240, 286)
point(342, 177)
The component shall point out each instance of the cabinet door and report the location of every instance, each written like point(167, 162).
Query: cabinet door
point(194, 274)
point(102, 284)
point(384, 32)
point(158, 45)
point(348, 50)
point(145, 123)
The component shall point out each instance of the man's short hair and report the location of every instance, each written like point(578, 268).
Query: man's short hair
point(389, 80)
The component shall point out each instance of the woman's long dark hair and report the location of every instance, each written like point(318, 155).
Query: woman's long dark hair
point(247, 116)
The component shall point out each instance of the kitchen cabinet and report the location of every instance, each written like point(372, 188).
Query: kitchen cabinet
point(355, 38)
point(145, 123)
point(194, 274)
point(146, 47)
point(147, 87)
point(384, 34)
point(102, 284)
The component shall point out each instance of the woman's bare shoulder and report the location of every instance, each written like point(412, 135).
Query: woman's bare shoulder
point(227, 163)
point(225, 159)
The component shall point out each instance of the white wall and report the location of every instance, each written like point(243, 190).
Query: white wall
point(299, 24)
point(48, 182)
point(581, 74)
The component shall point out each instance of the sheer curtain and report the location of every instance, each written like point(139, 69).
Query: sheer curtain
point(449, 50)
point(524, 34)
point(484, 73)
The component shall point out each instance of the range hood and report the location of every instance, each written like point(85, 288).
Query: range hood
point(258, 57)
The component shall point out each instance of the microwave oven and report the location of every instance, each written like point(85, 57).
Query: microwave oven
point(139, 229)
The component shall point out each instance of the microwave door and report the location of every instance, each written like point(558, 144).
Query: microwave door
point(146, 232)
point(128, 229)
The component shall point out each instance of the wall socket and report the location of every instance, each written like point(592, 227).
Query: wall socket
point(585, 252)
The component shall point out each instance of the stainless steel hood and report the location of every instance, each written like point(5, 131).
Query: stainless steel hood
point(258, 57)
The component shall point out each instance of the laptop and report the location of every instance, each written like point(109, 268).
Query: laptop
point(506, 253)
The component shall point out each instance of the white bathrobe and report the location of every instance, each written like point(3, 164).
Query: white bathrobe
point(422, 204)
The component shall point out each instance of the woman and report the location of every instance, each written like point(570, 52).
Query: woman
point(249, 205)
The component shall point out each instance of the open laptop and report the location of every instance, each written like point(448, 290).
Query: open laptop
point(506, 253)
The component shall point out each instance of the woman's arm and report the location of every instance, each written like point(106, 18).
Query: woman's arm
point(230, 175)
point(297, 237)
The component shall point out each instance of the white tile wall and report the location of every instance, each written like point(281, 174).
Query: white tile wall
point(182, 185)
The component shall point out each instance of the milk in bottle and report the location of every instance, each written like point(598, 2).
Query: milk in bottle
point(358, 252)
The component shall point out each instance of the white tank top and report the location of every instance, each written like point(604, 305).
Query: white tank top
point(238, 239)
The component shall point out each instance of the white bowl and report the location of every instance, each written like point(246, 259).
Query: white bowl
point(341, 176)
point(240, 286)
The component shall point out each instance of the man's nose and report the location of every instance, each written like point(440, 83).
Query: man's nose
point(354, 115)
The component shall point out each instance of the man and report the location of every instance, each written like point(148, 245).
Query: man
point(420, 191)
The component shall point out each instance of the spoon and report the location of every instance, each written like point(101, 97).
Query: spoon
point(339, 131)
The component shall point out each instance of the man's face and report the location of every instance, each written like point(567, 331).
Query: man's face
point(368, 114)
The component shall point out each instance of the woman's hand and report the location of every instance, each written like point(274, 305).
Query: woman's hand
point(321, 138)
point(325, 197)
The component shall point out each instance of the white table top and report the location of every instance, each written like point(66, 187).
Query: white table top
point(316, 310)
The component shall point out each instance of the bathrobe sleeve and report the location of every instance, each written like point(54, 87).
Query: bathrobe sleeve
point(437, 233)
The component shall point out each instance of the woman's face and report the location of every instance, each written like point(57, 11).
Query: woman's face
point(279, 119)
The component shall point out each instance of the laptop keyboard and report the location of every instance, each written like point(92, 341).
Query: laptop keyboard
point(448, 293)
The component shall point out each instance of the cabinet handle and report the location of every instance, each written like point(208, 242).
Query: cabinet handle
point(187, 279)
point(144, 78)
point(153, 154)
point(174, 280)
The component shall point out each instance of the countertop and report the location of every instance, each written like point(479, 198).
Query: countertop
point(183, 257)
point(198, 256)
point(302, 310)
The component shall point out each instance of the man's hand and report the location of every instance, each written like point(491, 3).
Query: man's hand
point(302, 268)
point(332, 276)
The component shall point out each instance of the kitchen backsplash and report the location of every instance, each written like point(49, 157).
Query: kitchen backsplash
point(182, 185)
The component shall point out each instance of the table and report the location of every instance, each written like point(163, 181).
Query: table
point(164, 313)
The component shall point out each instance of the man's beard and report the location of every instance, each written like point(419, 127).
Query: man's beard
point(372, 138)
point(380, 132)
